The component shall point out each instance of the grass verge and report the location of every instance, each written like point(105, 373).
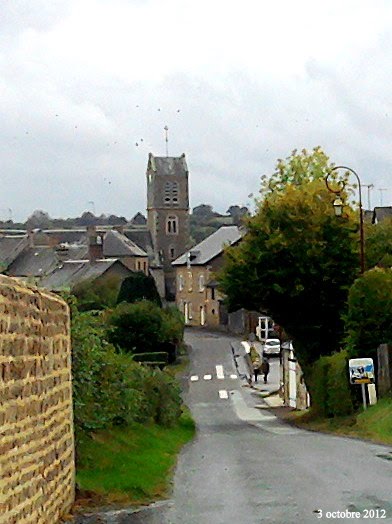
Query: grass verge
point(131, 465)
point(374, 424)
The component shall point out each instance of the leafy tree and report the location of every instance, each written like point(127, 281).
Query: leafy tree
point(369, 317)
point(203, 210)
point(38, 219)
point(297, 260)
point(139, 286)
point(97, 294)
point(87, 219)
point(378, 247)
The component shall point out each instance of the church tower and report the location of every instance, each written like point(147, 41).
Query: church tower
point(168, 211)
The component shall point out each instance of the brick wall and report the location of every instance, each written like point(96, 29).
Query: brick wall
point(36, 429)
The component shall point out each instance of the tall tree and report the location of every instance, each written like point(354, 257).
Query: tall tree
point(297, 260)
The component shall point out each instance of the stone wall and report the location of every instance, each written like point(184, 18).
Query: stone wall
point(36, 428)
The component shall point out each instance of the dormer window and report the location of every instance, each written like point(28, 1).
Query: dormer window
point(172, 225)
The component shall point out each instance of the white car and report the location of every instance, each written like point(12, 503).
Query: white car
point(271, 347)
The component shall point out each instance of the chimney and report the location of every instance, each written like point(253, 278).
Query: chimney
point(95, 244)
point(31, 234)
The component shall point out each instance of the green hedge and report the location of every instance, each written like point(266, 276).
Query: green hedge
point(330, 386)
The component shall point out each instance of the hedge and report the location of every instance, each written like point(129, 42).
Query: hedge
point(330, 386)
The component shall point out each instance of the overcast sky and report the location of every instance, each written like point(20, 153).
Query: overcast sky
point(87, 86)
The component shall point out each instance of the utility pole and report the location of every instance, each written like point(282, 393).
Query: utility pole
point(369, 187)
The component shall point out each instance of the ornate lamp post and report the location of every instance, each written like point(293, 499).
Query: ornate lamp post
point(338, 205)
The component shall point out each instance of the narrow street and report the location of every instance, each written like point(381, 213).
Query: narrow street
point(245, 466)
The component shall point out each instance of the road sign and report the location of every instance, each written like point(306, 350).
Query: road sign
point(361, 370)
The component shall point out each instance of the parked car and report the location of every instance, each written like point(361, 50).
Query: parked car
point(271, 347)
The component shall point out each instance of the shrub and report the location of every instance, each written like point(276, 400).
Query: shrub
point(331, 393)
point(143, 327)
point(136, 328)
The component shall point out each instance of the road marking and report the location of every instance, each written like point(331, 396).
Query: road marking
point(194, 378)
point(207, 377)
point(233, 376)
point(223, 393)
point(219, 372)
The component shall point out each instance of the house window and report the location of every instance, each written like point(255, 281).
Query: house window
point(212, 293)
point(190, 310)
point(145, 267)
point(201, 283)
point(190, 281)
point(172, 225)
point(180, 282)
point(172, 253)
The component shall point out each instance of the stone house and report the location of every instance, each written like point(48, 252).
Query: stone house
point(197, 294)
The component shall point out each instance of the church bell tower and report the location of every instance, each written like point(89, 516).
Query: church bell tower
point(168, 211)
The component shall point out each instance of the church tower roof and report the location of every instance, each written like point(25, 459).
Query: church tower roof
point(167, 165)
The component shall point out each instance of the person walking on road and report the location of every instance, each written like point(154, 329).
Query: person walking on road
point(265, 367)
point(256, 368)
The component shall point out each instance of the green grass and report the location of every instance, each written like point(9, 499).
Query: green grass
point(374, 424)
point(131, 465)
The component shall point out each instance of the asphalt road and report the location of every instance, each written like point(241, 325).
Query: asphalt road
point(247, 467)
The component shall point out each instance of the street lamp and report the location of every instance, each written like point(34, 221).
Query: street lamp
point(338, 206)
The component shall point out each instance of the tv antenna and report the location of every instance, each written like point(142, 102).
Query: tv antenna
point(381, 189)
point(369, 187)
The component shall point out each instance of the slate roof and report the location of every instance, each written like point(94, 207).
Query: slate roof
point(116, 244)
point(211, 246)
point(381, 213)
point(10, 248)
point(168, 165)
point(142, 238)
point(41, 260)
point(72, 272)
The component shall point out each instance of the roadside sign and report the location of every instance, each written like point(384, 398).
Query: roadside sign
point(361, 370)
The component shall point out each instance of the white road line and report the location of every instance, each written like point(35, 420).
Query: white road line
point(219, 372)
point(194, 378)
point(223, 393)
point(233, 376)
point(207, 377)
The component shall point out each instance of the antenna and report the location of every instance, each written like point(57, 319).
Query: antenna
point(381, 189)
point(369, 187)
point(167, 140)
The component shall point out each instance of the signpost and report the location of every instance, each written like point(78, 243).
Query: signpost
point(361, 372)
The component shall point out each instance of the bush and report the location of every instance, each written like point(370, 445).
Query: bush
point(136, 328)
point(330, 387)
point(109, 388)
point(143, 327)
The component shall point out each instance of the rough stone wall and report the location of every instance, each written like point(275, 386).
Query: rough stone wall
point(36, 428)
